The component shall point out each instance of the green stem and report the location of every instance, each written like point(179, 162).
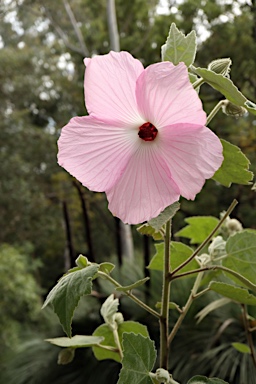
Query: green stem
point(206, 241)
point(118, 344)
point(214, 111)
point(186, 307)
point(164, 316)
point(129, 294)
point(198, 82)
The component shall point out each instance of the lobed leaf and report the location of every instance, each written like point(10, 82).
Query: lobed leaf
point(178, 47)
point(238, 294)
point(198, 228)
point(234, 168)
point(64, 297)
point(241, 250)
point(105, 332)
point(138, 361)
point(179, 253)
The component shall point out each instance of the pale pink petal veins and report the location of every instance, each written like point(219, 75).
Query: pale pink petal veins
point(165, 96)
point(145, 188)
point(193, 153)
point(109, 86)
point(94, 152)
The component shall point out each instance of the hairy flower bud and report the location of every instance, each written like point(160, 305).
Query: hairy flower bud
point(221, 66)
point(234, 226)
point(231, 109)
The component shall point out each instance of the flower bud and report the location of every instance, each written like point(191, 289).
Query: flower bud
point(66, 356)
point(118, 318)
point(221, 66)
point(217, 248)
point(234, 226)
point(231, 109)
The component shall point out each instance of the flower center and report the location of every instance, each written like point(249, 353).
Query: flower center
point(147, 132)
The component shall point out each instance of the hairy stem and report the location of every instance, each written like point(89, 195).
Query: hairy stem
point(186, 307)
point(118, 344)
point(164, 317)
point(214, 111)
point(129, 294)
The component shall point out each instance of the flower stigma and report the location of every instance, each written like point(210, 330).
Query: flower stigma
point(147, 132)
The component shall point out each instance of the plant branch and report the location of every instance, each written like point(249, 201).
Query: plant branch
point(206, 241)
point(214, 111)
point(248, 333)
point(112, 26)
point(186, 307)
point(164, 317)
point(129, 294)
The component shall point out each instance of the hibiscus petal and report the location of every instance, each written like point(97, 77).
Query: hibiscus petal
point(165, 96)
point(193, 153)
point(94, 152)
point(109, 85)
point(145, 188)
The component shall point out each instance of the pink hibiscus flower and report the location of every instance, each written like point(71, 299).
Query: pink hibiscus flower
point(144, 142)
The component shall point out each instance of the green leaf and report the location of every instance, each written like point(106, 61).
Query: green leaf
point(250, 106)
point(146, 229)
point(106, 267)
point(138, 361)
point(64, 297)
point(241, 251)
point(158, 222)
point(234, 168)
point(198, 228)
point(78, 341)
point(179, 47)
point(105, 332)
point(241, 347)
point(205, 380)
point(132, 286)
point(223, 85)
point(234, 293)
point(179, 253)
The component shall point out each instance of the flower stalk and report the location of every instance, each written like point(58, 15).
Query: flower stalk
point(164, 317)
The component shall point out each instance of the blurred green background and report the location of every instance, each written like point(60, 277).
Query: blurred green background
point(47, 218)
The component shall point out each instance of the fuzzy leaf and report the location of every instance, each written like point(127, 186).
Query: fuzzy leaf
point(241, 347)
point(198, 228)
point(234, 168)
point(164, 216)
point(179, 47)
point(139, 359)
point(241, 250)
point(105, 332)
point(234, 293)
point(132, 286)
point(106, 267)
point(77, 341)
point(64, 297)
point(205, 380)
point(179, 253)
point(146, 229)
point(223, 85)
